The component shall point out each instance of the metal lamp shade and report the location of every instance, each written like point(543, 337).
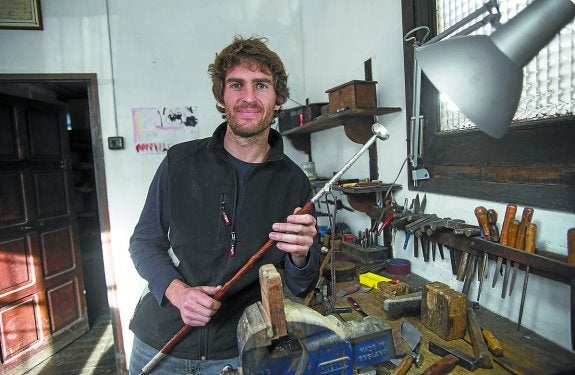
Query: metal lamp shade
point(483, 75)
point(482, 82)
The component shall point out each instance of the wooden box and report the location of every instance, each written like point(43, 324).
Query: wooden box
point(353, 94)
point(312, 111)
point(444, 310)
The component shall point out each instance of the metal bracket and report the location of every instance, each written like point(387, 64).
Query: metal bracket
point(419, 174)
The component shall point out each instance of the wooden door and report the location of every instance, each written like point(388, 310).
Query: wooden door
point(42, 303)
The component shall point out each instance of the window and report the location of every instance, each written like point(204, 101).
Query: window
point(532, 165)
point(548, 82)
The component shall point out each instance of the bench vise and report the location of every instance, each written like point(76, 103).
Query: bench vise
point(314, 344)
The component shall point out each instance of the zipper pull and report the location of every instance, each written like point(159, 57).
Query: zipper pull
point(223, 212)
point(233, 245)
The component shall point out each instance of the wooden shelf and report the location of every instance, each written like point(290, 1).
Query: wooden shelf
point(543, 263)
point(363, 198)
point(340, 119)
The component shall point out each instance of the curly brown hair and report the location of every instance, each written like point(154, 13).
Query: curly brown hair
point(251, 49)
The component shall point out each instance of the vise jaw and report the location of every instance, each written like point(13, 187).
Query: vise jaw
point(314, 344)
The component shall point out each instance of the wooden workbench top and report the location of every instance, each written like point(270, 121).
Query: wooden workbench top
point(525, 352)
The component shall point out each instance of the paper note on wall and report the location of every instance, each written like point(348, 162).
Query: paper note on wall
point(158, 129)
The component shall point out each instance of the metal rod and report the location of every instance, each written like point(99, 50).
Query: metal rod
point(379, 131)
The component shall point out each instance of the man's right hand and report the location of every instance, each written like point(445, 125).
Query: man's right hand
point(196, 304)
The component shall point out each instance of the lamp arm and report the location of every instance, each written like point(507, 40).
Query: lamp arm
point(487, 7)
point(522, 37)
point(492, 19)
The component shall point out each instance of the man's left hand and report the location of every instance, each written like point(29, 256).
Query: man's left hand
point(295, 236)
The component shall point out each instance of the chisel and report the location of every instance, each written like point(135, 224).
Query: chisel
point(480, 350)
point(530, 248)
point(487, 219)
point(520, 242)
point(481, 215)
point(503, 235)
point(512, 236)
point(492, 223)
point(571, 261)
point(482, 273)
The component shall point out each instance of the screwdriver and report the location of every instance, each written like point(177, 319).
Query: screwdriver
point(530, 248)
point(509, 217)
point(481, 213)
point(520, 242)
point(513, 230)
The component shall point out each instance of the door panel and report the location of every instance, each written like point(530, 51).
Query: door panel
point(63, 309)
point(42, 303)
point(14, 264)
point(19, 323)
point(51, 199)
point(45, 134)
point(56, 252)
point(12, 205)
point(7, 134)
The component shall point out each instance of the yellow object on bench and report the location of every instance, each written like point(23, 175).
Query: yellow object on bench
point(371, 279)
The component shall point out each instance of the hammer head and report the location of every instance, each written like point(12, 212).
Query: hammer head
point(380, 131)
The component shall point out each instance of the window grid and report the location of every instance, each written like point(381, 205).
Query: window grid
point(549, 79)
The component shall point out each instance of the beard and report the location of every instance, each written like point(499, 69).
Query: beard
point(251, 127)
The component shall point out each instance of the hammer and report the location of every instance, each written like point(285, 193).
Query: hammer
point(464, 360)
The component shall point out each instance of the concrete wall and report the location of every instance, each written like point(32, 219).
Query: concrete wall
point(154, 54)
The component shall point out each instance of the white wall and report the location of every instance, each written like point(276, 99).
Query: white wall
point(160, 53)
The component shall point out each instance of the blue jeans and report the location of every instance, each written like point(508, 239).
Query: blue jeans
point(142, 353)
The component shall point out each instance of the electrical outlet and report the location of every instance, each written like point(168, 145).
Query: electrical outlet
point(116, 143)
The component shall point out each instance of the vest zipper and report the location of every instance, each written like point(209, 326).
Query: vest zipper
point(233, 244)
point(223, 210)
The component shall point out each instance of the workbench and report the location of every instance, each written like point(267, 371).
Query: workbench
point(525, 352)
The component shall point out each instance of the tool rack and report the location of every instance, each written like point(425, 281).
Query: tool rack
point(543, 263)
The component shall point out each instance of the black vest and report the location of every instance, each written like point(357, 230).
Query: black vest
point(202, 188)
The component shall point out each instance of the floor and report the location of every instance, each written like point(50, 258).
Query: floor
point(91, 354)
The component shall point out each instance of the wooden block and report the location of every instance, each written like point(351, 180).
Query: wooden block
point(353, 94)
point(390, 290)
point(273, 299)
point(344, 271)
point(444, 310)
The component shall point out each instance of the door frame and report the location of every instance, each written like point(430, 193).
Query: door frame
point(90, 79)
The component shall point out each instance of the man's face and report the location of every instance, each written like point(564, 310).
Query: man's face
point(249, 99)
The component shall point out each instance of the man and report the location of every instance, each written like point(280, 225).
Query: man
point(214, 202)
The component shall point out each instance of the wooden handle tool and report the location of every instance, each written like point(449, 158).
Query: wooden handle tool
point(480, 350)
point(571, 261)
point(404, 366)
point(512, 233)
point(571, 246)
point(481, 215)
point(512, 236)
point(493, 344)
point(492, 223)
point(520, 241)
point(530, 234)
point(509, 217)
point(442, 366)
point(521, 231)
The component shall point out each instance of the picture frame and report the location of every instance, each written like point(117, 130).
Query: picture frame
point(20, 14)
